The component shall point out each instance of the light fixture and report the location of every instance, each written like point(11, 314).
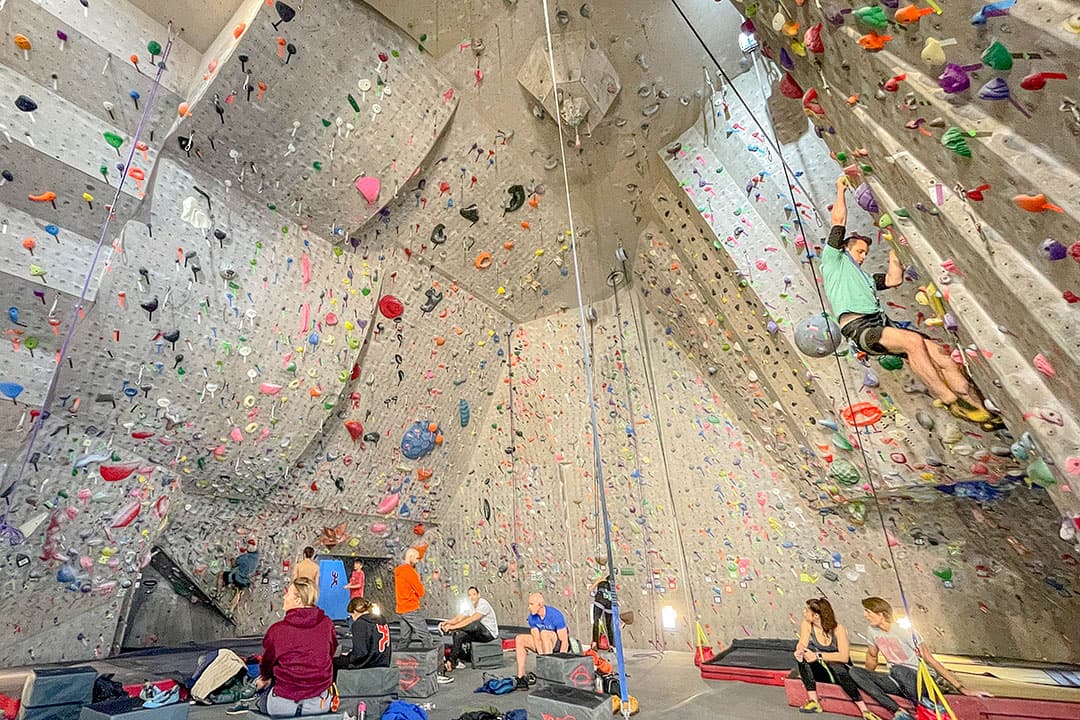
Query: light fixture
point(375, 609)
point(904, 622)
point(668, 617)
point(748, 42)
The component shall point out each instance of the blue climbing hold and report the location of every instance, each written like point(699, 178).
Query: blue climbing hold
point(419, 439)
point(463, 412)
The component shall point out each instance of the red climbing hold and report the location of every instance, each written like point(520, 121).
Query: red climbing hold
point(810, 104)
point(789, 87)
point(861, 414)
point(113, 473)
point(391, 307)
point(812, 39)
point(355, 428)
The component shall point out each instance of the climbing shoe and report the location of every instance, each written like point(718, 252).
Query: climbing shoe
point(867, 715)
point(996, 422)
point(902, 714)
point(238, 709)
point(966, 411)
point(811, 706)
point(522, 683)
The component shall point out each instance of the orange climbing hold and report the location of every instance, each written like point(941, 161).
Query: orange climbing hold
point(483, 261)
point(239, 30)
point(1031, 203)
point(873, 42)
point(909, 14)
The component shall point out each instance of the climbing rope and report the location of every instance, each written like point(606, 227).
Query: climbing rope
point(510, 450)
point(587, 357)
point(788, 173)
point(632, 432)
point(12, 534)
point(677, 524)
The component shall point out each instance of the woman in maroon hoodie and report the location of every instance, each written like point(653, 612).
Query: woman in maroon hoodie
point(298, 657)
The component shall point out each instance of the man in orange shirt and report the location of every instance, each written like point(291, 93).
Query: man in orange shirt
point(407, 593)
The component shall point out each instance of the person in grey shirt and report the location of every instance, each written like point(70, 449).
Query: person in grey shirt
point(477, 626)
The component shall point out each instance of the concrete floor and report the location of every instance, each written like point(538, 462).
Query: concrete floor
point(667, 686)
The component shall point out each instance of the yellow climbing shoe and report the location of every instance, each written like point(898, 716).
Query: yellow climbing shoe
point(966, 411)
point(867, 715)
point(811, 706)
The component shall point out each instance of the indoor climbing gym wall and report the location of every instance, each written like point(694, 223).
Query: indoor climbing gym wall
point(266, 285)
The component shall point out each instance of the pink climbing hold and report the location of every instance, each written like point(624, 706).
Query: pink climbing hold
point(237, 435)
point(1072, 465)
point(369, 186)
point(1043, 365)
point(305, 269)
point(388, 505)
point(269, 389)
point(379, 529)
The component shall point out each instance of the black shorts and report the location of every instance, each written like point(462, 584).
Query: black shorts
point(865, 331)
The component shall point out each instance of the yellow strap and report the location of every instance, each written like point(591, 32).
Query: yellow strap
point(933, 691)
point(701, 635)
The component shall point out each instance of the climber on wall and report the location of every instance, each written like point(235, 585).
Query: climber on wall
point(239, 574)
point(853, 296)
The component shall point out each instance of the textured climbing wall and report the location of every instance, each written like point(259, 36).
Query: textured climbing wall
point(933, 121)
point(302, 322)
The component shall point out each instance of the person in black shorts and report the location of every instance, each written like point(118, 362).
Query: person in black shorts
point(853, 296)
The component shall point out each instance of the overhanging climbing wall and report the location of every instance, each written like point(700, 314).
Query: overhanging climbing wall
point(967, 135)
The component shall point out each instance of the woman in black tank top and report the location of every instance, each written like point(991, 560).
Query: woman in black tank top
point(822, 656)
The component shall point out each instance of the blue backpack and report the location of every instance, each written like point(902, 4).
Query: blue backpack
point(498, 686)
point(401, 710)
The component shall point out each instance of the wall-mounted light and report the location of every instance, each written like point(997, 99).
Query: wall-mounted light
point(375, 610)
point(904, 622)
point(748, 42)
point(668, 617)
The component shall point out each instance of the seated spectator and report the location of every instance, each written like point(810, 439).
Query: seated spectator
point(547, 634)
point(478, 626)
point(822, 654)
point(370, 639)
point(903, 649)
point(297, 667)
point(239, 575)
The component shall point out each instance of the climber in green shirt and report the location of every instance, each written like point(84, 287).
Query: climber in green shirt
point(853, 296)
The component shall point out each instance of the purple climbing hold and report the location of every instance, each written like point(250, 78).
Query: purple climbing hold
point(954, 78)
point(865, 197)
point(1053, 250)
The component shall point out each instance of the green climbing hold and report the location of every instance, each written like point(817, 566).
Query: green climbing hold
point(841, 156)
point(844, 472)
point(997, 56)
point(317, 165)
point(857, 512)
point(338, 251)
point(353, 103)
point(365, 291)
point(890, 362)
point(901, 213)
point(955, 140)
point(114, 140)
point(884, 221)
point(153, 47)
point(325, 123)
point(395, 53)
point(1038, 473)
point(840, 442)
point(873, 16)
point(945, 573)
point(271, 206)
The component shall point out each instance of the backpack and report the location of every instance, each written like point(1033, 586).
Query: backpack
point(401, 710)
point(213, 671)
point(497, 685)
point(105, 688)
point(518, 714)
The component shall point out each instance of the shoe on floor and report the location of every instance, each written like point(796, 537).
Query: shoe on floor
point(811, 706)
point(902, 714)
point(237, 709)
point(868, 715)
point(444, 679)
point(460, 665)
point(522, 684)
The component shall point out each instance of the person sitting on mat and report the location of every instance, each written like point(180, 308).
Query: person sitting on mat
point(547, 634)
point(822, 654)
point(902, 649)
point(297, 666)
point(853, 296)
point(370, 639)
point(478, 626)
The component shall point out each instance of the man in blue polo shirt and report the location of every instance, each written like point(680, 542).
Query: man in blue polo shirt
point(547, 634)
